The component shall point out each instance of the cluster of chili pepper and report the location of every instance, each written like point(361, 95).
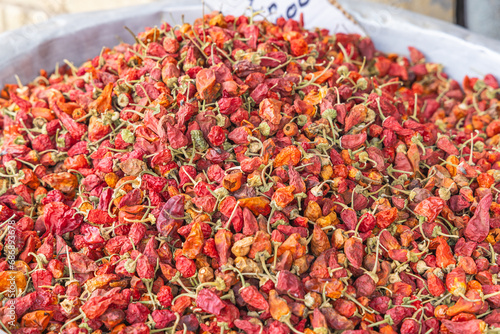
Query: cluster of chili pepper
point(238, 176)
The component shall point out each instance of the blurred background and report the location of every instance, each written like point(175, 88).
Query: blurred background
point(480, 16)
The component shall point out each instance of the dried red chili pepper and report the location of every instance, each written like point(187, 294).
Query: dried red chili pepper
point(213, 172)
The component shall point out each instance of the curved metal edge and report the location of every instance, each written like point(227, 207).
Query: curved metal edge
point(459, 50)
point(368, 11)
point(79, 37)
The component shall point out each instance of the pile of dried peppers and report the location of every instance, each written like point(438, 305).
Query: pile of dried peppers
point(238, 176)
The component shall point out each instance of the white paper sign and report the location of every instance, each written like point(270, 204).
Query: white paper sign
point(317, 13)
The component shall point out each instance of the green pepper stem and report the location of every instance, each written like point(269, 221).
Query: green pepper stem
point(81, 316)
point(493, 294)
point(387, 320)
point(382, 117)
point(232, 215)
point(239, 274)
point(264, 266)
point(355, 301)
